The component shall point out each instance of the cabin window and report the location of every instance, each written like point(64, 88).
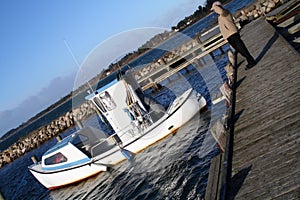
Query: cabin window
point(107, 101)
point(99, 104)
point(104, 102)
point(55, 159)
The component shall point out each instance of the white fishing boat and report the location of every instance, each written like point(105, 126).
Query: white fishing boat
point(136, 125)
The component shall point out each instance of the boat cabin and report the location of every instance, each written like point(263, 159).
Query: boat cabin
point(77, 149)
point(120, 101)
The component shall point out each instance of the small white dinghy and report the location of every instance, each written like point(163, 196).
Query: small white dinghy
point(90, 151)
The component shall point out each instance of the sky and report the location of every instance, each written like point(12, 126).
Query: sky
point(41, 41)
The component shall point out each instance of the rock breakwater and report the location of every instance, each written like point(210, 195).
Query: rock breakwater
point(164, 60)
point(258, 9)
point(36, 138)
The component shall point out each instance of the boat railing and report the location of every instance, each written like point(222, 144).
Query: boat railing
point(107, 144)
point(145, 121)
point(114, 139)
point(133, 130)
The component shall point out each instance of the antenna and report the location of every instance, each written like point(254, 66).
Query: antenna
point(76, 61)
point(119, 70)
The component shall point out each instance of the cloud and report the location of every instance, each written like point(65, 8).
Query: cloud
point(57, 88)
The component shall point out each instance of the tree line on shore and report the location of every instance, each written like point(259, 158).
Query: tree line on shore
point(201, 12)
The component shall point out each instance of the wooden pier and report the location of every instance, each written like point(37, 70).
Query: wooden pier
point(266, 140)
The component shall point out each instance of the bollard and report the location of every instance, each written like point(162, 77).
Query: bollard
point(218, 131)
point(58, 138)
point(34, 159)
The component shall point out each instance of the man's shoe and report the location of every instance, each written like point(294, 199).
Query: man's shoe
point(249, 66)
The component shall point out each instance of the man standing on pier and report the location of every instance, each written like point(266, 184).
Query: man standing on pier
point(230, 33)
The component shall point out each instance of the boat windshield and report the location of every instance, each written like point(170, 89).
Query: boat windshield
point(55, 159)
point(92, 141)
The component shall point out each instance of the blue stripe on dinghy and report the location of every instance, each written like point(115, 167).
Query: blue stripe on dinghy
point(67, 165)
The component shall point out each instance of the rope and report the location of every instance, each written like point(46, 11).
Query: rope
point(131, 101)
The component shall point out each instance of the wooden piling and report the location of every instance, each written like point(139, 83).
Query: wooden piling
point(213, 186)
point(219, 133)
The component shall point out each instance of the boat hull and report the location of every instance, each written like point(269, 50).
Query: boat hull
point(56, 179)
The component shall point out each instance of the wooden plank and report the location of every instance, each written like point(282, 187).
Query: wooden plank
point(289, 21)
point(294, 29)
point(213, 184)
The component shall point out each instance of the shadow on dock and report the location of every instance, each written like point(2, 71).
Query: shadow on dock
point(267, 47)
point(237, 181)
point(237, 116)
point(239, 82)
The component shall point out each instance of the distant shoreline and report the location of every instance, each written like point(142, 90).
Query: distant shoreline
point(12, 132)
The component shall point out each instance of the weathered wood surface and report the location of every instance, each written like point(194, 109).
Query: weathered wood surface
point(213, 184)
point(266, 150)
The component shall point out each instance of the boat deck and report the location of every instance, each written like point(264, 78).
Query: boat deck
point(266, 145)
